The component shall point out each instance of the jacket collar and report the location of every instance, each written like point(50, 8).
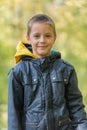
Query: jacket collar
point(24, 52)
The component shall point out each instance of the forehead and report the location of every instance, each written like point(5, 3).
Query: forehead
point(41, 27)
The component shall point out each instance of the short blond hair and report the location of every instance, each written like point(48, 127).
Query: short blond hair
point(42, 18)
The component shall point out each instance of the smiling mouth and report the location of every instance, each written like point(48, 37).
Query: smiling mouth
point(42, 46)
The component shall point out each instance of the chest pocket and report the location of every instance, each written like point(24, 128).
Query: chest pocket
point(31, 86)
point(58, 86)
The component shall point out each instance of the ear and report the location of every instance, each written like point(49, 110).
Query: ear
point(28, 38)
point(55, 39)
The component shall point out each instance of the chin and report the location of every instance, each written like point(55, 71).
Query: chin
point(43, 55)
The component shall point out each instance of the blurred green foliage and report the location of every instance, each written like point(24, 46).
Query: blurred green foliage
point(70, 17)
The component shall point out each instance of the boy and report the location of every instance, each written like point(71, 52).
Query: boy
point(43, 89)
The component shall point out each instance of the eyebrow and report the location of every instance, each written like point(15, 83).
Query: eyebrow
point(39, 33)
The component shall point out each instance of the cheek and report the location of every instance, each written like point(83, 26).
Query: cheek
point(51, 42)
point(33, 42)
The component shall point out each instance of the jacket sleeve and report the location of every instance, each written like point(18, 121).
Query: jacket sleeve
point(15, 103)
point(75, 103)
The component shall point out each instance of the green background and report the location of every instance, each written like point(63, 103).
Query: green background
point(70, 17)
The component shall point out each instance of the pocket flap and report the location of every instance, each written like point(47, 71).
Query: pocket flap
point(56, 78)
point(33, 80)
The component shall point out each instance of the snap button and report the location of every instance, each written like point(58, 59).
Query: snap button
point(54, 78)
point(65, 80)
point(45, 116)
point(35, 79)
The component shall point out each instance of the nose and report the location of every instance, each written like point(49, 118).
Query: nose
point(42, 39)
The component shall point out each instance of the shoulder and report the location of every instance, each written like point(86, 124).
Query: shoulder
point(67, 64)
point(17, 69)
point(69, 69)
point(63, 65)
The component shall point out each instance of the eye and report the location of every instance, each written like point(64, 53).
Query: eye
point(48, 35)
point(36, 36)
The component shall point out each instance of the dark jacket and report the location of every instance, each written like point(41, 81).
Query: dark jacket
point(44, 95)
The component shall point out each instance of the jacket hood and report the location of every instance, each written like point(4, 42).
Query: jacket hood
point(25, 49)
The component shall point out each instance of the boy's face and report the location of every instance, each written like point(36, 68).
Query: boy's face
point(41, 38)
